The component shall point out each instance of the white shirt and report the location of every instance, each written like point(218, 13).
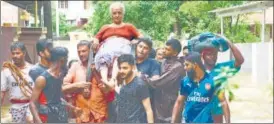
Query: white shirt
point(8, 83)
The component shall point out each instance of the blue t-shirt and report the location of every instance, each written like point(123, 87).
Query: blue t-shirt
point(198, 98)
point(36, 71)
point(130, 108)
point(149, 67)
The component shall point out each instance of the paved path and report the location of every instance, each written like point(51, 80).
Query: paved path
point(253, 102)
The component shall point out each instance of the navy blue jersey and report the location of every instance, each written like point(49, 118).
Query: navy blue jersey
point(198, 98)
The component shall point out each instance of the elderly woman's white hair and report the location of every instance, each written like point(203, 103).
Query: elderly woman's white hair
point(117, 4)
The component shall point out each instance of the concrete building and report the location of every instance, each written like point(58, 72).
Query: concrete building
point(9, 14)
point(75, 11)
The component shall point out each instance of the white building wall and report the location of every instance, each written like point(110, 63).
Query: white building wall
point(258, 60)
point(9, 13)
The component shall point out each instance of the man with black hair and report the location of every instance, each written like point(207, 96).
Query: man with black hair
point(75, 80)
point(132, 94)
point(196, 92)
point(80, 92)
point(43, 47)
point(209, 55)
point(16, 81)
point(166, 86)
point(48, 90)
point(145, 65)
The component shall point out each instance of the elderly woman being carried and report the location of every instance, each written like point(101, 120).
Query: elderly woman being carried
point(113, 39)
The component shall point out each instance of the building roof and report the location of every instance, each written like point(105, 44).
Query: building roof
point(257, 17)
point(255, 6)
point(27, 5)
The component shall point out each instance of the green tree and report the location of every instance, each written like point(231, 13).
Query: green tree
point(100, 17)
point(159, 19)
point(196, 19)
point(154, 18)
point(64, 26)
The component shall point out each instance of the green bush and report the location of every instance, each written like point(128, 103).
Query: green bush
point(242, 34)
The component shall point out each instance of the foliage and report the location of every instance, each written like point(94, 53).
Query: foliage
point(242, 34)
point(101, 17)
point(155, 18)
point(64, 26)
point(196, 19)
point(159, 19)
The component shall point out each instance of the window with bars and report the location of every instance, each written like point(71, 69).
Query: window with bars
point(63, 4)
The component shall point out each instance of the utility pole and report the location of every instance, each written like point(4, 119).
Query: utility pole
point(48, 18)
point(57, 19)
point(36, 13)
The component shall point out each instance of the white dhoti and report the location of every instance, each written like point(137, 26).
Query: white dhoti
point(20, 112)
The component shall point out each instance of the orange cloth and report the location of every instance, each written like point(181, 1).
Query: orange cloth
point(95, 108)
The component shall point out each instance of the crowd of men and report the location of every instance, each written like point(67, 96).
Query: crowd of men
point(119, 78)
point(147, 89)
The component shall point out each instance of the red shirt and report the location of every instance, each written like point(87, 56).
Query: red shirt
point(127, 31)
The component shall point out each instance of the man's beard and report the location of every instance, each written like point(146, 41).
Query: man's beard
point(17, 62)
point(128, 75)
point(191, 74)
